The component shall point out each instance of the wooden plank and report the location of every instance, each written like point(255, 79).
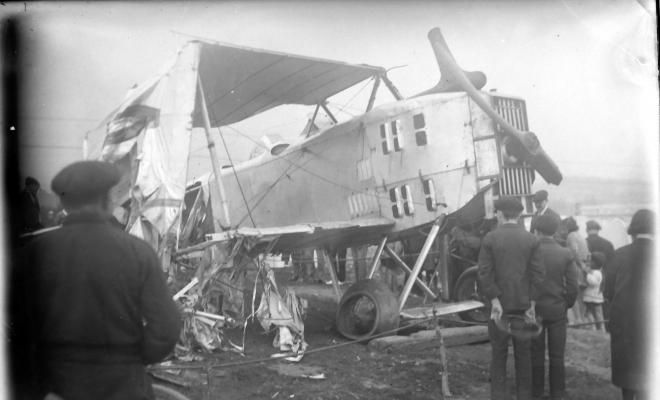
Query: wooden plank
point(431, 339)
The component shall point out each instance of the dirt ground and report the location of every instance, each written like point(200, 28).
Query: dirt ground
point(355, 371)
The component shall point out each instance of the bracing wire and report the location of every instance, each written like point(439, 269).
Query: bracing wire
point(356, 94)
point(238, 181)
point(330, 181)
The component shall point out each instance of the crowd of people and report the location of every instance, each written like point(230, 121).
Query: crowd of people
point(89, 306)
point(541, 281)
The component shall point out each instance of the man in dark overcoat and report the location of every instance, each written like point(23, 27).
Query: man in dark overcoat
point(629, 288)
point(30, 209)
point(90, 306)
point(556, 295)
point(597, 243)
point(510, 273)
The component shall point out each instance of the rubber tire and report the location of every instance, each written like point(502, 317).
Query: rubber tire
point(163, 392)
point(384, 310)
point(466, 288)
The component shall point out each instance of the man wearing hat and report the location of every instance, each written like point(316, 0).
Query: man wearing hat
point(595, 242)
point(93, 299)
point(510, 273)
point(541, 204)
point(30, 208)
point(629, 286)
point(557, 293)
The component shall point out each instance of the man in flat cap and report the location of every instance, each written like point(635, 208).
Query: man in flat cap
point(541, 204)
point(557, 293)
point(510, 273)
point(629, 286)
point(595, 242)
point(94, 300)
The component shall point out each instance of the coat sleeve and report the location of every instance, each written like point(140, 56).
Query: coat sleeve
point(161, 318)
point(571, 281)
point(611, 270)
point(486, 272)
point(536, 270)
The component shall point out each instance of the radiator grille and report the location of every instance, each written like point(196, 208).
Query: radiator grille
point(516, 181)
point(513, 111)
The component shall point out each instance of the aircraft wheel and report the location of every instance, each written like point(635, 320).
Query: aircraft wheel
point(467, 289)
point(367, 308)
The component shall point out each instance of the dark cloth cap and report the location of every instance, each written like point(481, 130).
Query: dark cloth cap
point(643, 221)
point(31, 181)
point(571, 224)
point(541, 195)
point(593, 225)
point(546, 224)
point(508, 203)
point(598, 258)
point(84, 181)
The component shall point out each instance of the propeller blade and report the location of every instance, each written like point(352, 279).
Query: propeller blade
point(530, 149)
point(448, 81)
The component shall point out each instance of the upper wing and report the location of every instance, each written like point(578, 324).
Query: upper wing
point(240, 82)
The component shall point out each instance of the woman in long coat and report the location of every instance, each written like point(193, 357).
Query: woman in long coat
point(578, 246)
point(628, 288)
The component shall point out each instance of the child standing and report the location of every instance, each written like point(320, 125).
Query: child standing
point(593, 296)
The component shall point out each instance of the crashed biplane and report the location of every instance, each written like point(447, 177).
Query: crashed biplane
point(419, 167)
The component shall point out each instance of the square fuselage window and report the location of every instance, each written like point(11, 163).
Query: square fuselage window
point(418, 121)
point(420, 138)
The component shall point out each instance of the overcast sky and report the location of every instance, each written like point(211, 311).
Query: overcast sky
point(587, 70)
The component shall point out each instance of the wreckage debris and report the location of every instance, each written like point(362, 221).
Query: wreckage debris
point(286, 314)
point(213, 300)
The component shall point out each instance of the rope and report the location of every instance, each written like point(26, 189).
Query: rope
point(486, 324)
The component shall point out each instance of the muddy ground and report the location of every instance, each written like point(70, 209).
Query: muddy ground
point(355, 371)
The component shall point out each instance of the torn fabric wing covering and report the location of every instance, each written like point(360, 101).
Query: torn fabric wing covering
point(240, 82)
point(152, 127)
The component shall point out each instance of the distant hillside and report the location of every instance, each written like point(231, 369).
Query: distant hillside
point(576, 194)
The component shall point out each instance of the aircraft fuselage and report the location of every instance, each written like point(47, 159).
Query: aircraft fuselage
point(410, 161)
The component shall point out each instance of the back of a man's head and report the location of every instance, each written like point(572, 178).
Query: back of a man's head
point(30, 181)
point(546, 225)
point(510, 207)
point(85, 183)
